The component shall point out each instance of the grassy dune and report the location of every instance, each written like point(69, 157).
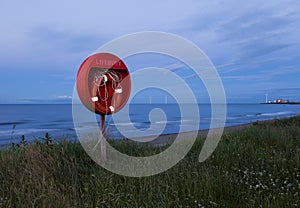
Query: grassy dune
point(255, 167)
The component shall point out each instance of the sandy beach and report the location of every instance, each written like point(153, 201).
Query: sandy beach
point(165, 139)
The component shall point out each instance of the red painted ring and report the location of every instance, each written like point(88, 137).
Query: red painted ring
point(86, 89)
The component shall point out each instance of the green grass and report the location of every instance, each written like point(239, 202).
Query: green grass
point(256, 167)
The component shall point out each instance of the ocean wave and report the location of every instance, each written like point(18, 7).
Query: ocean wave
point(148, 122)
point(14, 123)
point(280, 113)
point(121, 124)
point(258, 115)
point(166, 122)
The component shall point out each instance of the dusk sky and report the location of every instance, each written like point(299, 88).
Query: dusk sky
point(255, 45)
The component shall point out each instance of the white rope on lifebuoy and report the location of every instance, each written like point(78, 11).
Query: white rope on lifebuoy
point(100, 80)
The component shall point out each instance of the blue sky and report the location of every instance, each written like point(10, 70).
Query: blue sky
point(254, 45)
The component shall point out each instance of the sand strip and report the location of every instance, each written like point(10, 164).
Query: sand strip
point(169, 138)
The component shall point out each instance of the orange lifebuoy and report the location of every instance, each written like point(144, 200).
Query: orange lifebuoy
point(103, 83)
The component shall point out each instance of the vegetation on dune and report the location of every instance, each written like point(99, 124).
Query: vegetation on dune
point(255, 167)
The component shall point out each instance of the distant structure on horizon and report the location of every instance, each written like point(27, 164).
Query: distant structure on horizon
point(279, 101)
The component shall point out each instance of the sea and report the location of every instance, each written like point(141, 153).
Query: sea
point(34, 121)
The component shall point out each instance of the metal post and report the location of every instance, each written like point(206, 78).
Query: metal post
point(103, 140)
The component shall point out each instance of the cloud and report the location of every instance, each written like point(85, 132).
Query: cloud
point(261, 48)
point(254, 29)
point(64, 97)
point(263, 75)
point(260, 32)
point(256, 24)
point(247, 77)
point(246, 40)
point(66, 41)
point(283, 71)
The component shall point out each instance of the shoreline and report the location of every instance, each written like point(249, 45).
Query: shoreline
point(160, 140)
point(165, 139)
